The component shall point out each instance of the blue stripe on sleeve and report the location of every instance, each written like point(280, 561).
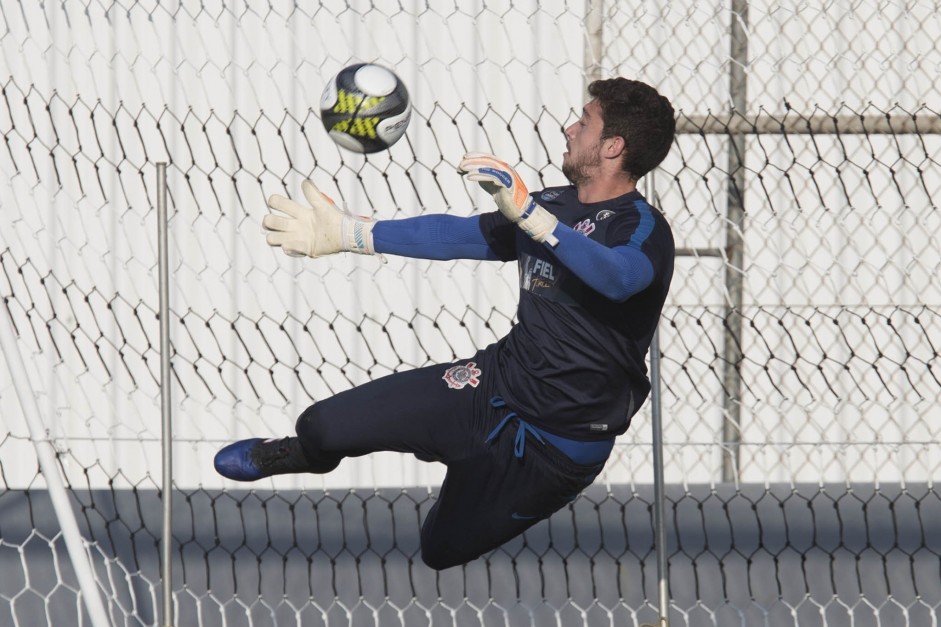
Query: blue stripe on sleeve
point(645, 228)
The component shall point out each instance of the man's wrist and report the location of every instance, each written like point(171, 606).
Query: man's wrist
point(539, 224)
point(357, 235)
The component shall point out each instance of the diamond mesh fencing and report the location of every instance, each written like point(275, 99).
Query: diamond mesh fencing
point(800, 369)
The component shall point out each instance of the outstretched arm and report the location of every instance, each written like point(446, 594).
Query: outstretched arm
point(322, 228)
point(432, 237)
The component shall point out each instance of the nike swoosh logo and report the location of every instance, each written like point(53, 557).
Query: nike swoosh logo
point(516, 516)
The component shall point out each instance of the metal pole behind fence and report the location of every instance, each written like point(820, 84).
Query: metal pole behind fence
point(594, 41)
point(735, 251)
point(660, 539)
point(166, 491)
point(656, 425)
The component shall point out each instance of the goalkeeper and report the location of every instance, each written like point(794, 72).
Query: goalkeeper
point(527, 423)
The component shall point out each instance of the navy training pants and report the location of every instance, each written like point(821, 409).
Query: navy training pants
point(446, 413)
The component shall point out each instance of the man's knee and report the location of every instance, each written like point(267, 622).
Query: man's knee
point(440, 553)
point(445, 545)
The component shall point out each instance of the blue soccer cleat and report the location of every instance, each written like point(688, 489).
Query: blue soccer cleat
point(250, 460)
point(235, 461)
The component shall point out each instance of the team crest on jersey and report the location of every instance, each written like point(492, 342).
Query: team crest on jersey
point(585, 227)
point(604, 214)
point(458, 376)
point(552, 194)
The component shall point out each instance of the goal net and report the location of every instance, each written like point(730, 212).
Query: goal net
point(800, 371)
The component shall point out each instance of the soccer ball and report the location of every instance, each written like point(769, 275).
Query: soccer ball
point(365, 108)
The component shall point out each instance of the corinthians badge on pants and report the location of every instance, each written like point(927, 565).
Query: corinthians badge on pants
point(459, 376)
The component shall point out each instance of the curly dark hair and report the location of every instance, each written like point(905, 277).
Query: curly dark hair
point(638, 113)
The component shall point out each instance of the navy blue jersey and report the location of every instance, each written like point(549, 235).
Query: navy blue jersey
point(575, 364)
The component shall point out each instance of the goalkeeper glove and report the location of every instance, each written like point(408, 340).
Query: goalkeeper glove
point(508, 190)
point(318, 230)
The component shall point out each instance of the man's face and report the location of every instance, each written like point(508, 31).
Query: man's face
point(583, 141)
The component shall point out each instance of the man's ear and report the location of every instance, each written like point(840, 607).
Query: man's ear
point(614, 146)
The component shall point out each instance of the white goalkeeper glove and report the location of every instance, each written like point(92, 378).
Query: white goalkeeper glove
point(318, 230)
point(508, 190)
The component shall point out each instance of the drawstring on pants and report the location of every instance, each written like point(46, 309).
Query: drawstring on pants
point(524, 427)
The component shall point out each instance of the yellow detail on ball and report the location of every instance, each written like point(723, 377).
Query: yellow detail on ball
point(358, 127)
point(350, 102)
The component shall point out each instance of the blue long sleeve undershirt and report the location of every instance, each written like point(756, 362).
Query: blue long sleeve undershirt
point(617, 273)
point(434, 236)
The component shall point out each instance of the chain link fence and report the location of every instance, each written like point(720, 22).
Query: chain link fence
point(800, 342)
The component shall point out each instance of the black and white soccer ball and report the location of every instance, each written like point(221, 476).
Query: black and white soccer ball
point(365, 108)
